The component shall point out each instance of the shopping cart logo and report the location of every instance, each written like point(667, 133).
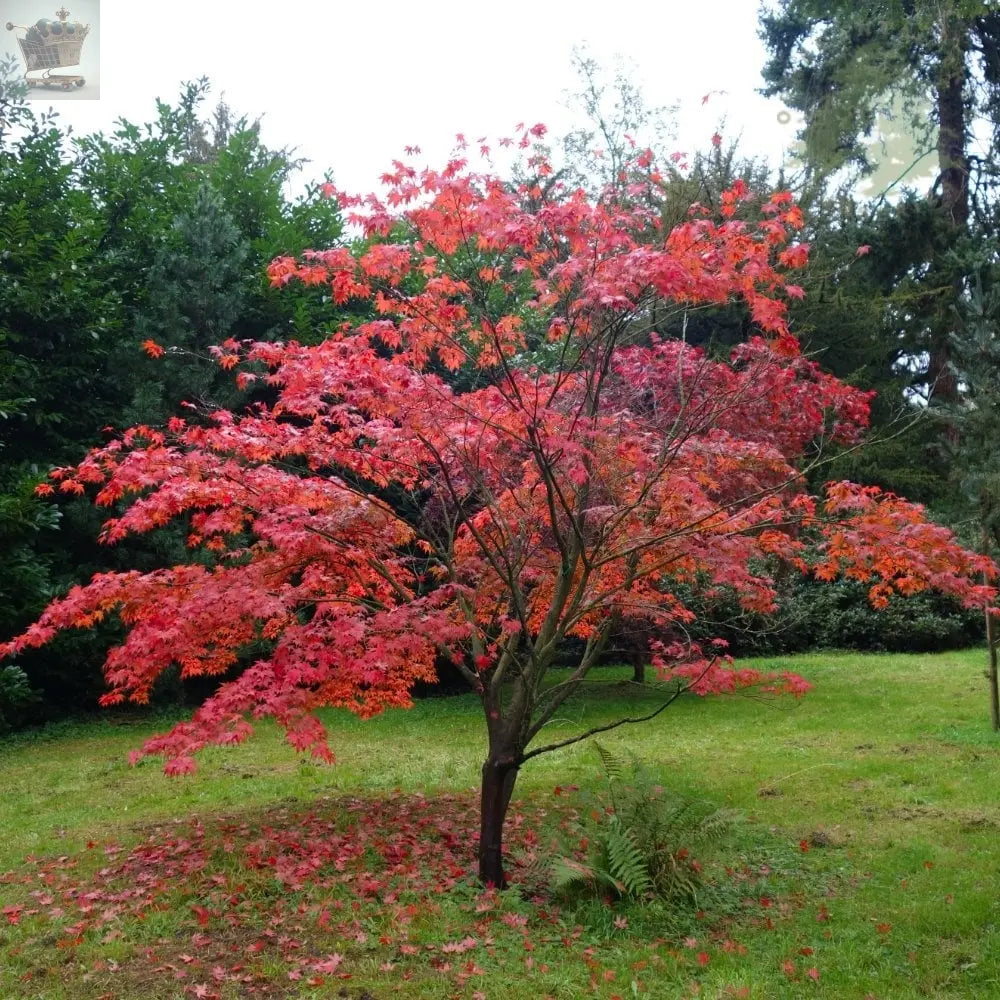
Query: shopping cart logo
point(56, 50)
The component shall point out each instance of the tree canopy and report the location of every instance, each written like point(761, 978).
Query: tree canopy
point(937, 66)
point(367, 517)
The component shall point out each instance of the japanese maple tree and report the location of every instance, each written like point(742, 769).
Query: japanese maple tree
point(370, 517)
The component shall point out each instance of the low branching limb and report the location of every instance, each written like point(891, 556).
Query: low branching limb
point(605, 728)
point(681, 689)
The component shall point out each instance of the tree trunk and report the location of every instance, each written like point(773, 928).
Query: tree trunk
point(638, 669)
point(499, 774)
point(991, 641)
point(638, 654)
point(953, 161)
point(953, 164)
point(991, 644)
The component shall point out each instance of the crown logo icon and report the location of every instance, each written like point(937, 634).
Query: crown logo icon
point(49, 45)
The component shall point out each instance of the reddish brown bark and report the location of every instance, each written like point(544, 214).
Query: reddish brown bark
point(499, 774)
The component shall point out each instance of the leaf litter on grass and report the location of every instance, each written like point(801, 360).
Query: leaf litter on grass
point(266, 902)
point(355, 898)
point(879, 853)
point(243, 890)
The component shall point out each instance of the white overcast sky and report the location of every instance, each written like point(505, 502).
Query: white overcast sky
point(350, 84)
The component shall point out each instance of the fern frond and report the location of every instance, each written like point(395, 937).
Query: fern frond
point(679, 820)
point(626, 862)
point(615, 766)
point(642, 845)
point(718, 823)
point(568, 874)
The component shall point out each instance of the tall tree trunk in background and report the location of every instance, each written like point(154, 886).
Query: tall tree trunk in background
point(638, 651)
point(991, 673)
point(991, 648)
point(953, 178)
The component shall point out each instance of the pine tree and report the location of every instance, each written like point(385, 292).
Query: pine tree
point(196, 292)
point(844, 64)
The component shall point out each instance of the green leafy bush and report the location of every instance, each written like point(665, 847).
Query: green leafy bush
point(161, 231)
point(16, 698)
point(814, 615)
point(839, 616)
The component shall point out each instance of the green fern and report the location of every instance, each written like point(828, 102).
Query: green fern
point(567, 875)
point(625, 860)
point(615, 766)
point(643, 842)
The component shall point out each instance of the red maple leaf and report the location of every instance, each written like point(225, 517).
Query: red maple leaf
point(330, 964)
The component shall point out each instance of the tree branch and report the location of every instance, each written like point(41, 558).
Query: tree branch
point(604, 729)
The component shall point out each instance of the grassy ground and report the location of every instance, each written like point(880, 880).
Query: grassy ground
point(866, 866)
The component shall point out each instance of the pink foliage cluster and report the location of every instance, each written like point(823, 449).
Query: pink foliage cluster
point(369, 518)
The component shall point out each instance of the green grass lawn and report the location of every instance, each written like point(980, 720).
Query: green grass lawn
point(867, 864)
